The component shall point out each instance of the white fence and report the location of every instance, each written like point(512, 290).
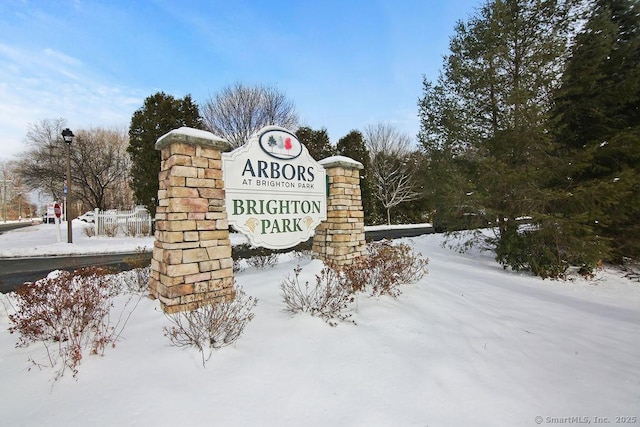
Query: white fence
point(135, 222)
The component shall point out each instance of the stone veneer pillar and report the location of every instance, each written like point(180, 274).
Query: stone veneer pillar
point(191, 264)
point(340, 239)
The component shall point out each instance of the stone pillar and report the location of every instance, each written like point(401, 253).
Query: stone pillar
point(191, 264)
point(340, 239)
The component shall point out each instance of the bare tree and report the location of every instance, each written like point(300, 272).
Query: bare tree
point(14, 199)
point(393, 167)
point(103, 168)
point(99, 164)
point(238, 111)
point(42, 166)
point(6, 187)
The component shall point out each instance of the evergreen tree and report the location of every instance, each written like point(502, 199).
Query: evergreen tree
point(598, 127)
point(316, 141)
point(486, 120)
point(352, 145)
point(447, 172)
point(160, 114)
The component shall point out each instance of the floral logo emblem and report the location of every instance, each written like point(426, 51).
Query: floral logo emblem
point(280, 144)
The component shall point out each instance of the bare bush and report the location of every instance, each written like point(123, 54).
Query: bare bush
point(136, 228)
point(412, 266)
point(138, 278)
point(135, 281)
point(145, 230)
point(261, 262)
point(237, 266)
point(212, 326)
point(68, 313)
point(631, 269)
point(302, 254)
point(384, 268)
point(328, 298)
point(89, 231)
point(357, 275)
point(130, 229)
point(111, 229)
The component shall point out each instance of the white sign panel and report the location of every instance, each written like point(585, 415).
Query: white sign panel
point(275, 192)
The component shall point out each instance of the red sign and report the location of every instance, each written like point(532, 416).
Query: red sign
point(57, 210)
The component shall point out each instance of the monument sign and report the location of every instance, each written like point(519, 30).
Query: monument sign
point(275, 192)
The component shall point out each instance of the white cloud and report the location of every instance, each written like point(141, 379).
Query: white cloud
point(59, 56)
point(48, 84)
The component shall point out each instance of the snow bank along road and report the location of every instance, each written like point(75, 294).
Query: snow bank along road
point(14, 271)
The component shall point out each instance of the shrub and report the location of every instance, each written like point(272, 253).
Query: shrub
point(145, 230)
point(130, 229)
point(135, 281)
point(357, 275)
point(140, 271)
point(550, 247)
point(328, 298)
point(89, 231)
point(213, 326)
point(111, 229)
point(136, 228)
point(384, 268)
point(68, 313)
point(631, 269)
point(263, 261)
point(237, 266)
point(302, 254)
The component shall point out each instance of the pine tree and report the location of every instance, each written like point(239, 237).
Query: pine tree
point(316, 141)
point(448, 174)
point(486, 119)
point(598, 127)
point(160, 114)
point(352, 145)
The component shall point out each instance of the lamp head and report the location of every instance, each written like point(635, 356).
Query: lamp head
point(67, 135)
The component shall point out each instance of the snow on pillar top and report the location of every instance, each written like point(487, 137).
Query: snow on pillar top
point(191, 136)
point(341, 161)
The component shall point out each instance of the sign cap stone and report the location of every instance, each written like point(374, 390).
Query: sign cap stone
point(191, 136)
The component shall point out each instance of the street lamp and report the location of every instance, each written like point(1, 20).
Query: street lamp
point(67, 136)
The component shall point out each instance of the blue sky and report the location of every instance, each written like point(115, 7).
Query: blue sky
point(344, 64)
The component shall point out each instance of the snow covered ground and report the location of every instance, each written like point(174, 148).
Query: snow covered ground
point(43, 239)
point(469, 344)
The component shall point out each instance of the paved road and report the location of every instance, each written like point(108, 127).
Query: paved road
point(396, 233)
point(6, 226)
point(16, 271)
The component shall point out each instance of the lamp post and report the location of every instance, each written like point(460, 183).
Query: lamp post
point(67, 136)
point(4, 199)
